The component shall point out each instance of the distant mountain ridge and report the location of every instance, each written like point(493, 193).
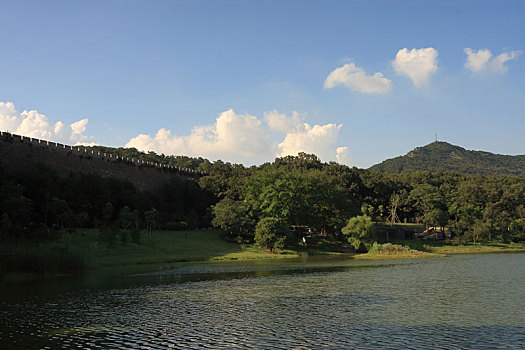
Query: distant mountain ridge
point(442, 156)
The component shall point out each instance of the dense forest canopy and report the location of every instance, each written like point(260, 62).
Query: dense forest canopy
point(300, 191)
point(442, 156)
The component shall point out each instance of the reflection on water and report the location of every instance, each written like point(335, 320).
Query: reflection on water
point(474, 301)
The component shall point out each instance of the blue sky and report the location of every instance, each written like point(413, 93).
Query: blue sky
point(246, 81)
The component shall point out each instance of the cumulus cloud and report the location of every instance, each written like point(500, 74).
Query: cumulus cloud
point(237, 137)
point(482, 60)
point(37, 125)
point(355, 78)
point(280, 122)
point(417, 64)
point(317, 139)
point(343, 155)
point(244, 138)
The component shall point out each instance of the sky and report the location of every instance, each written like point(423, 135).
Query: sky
point(244, 81)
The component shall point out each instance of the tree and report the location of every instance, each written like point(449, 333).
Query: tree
point(235, 218)
point(270, 233)
point(360, 231)
point(435, 217)
point(305, 197)
point(152, 219)
point(395, 200)
point(427, 198)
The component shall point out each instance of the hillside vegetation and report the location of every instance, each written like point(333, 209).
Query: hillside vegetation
point(442, 157)
point(292, 202)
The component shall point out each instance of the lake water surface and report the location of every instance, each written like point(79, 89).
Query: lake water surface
point(462, 301)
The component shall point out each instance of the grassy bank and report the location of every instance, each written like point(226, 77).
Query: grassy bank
point(73, 253)
point(486, 247)
point(165, 247)
point(406, 255)
point(394, 251)
point(418, 248)
point(38, 259)
point(87, 251)
point(422, 249)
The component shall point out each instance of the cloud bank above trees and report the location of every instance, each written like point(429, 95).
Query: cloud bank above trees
point(244, 138)
point(37, 125)
point(239, 138)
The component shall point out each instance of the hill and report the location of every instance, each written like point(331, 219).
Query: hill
point(442, 156)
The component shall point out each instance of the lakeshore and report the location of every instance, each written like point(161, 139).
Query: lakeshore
point(207, 246)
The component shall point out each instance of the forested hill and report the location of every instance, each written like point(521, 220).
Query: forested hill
point(442, 156)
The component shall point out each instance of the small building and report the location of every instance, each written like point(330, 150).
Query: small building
point(398, 232)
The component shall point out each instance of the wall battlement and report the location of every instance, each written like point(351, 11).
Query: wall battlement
point(81, 150)
point(18, 152)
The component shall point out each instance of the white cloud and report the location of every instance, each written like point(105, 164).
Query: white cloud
point(37, 125)
point(343, 155)
point(80, 126)
point(417, 64)
point(243, 138)
point(233, 137)
point(355, 78)
point(280, 122)
point(317, 139)
point(482, 60)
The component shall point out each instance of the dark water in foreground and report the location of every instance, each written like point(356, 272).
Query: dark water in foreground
point(463, 301)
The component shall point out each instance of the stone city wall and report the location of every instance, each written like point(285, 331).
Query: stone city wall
point(18, 152)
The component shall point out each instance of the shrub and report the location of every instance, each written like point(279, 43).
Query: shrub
point(270, 233)
point(176, 225)
point(235, 218)
point(388, 248)
point(360, 232)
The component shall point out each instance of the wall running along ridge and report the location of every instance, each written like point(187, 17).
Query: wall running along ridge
point(19, 152)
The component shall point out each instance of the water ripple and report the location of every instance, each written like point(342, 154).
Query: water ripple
point(435, 304)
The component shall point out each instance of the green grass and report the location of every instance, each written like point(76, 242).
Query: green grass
point(165, 247)
point(442, 247)
point(394, 251)
point(425, 249)
point(484, 247)
point(38, 259)
point(399, 255)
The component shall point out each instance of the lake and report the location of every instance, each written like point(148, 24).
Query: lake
point(461, 301)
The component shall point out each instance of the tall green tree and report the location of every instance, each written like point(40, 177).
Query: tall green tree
point(359, 232)
point(236, 218)
point(270, 233)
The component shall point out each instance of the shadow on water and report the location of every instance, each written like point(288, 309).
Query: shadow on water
point(131, 276)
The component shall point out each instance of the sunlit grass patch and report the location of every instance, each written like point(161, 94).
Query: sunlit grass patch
point(394, 251)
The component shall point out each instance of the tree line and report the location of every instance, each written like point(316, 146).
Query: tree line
point(302, 191)
point(36, 204)
point(262, 203)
